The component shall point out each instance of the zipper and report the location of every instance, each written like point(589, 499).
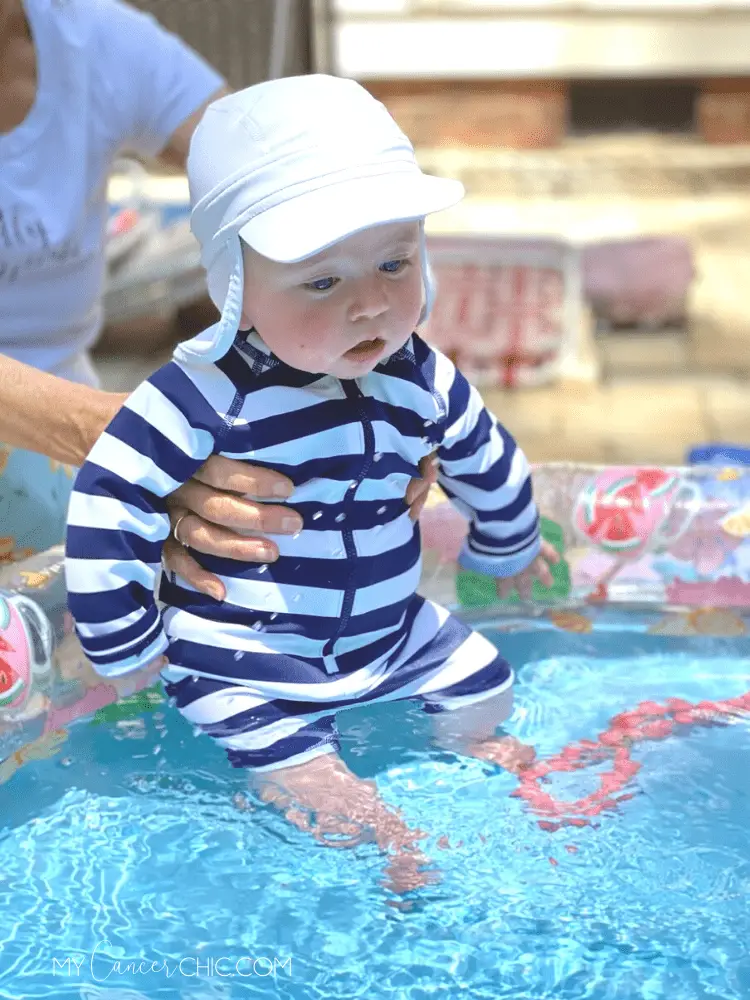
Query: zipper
point(352, 391)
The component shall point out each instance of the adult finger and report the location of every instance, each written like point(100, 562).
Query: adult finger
point(230, 511)
point(212, 540)
point(191, 531)
point(424, 481)
point(417, 505)
point(239, 477)
point(178, 560)
point(428, 468)
point(418, 489)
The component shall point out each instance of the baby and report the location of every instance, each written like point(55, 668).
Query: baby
point(309, 207)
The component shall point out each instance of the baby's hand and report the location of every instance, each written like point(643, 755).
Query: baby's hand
point(538, 570)
point(137, 680)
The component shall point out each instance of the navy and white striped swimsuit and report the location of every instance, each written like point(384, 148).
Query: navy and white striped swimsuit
point(336, 620)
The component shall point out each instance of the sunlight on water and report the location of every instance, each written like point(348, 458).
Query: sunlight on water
point(137, 853)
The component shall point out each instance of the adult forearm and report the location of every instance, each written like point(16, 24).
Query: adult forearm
point(51, 415)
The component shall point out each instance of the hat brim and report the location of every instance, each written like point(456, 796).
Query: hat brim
point(316, 220)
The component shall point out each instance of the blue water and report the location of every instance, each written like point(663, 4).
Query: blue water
point(127, 847)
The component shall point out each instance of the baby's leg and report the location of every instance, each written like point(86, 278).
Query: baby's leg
point(469, 694)
point(293, 763)
point(472, 730)
point(323, 797)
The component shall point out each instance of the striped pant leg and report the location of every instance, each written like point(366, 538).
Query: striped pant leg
point(469, 684)
point(442, 663)
point(447, 665)
point(257, 734)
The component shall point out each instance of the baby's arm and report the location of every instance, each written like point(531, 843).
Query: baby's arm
point(487, 476)
point(117, 518)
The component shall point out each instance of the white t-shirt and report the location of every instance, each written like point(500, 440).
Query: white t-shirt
point(110, 80)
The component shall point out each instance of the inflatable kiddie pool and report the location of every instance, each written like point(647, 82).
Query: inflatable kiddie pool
point(135, 863)
point(665, 549)
point(661, 537)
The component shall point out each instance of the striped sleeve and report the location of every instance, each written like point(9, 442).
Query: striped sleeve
point(118, 521)
point(487, 477)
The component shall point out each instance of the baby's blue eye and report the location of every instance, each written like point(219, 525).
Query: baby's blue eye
point(392, 266)
point(322, 284)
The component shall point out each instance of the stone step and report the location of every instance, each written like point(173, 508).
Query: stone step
point(631, 420)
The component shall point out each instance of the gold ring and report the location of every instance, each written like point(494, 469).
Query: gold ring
point(176, 528)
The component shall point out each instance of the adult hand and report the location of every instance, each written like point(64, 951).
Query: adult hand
point(211, 509)
point(419, 488)
point(212, 515)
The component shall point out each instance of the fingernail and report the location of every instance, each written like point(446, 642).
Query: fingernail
point(216, 592)
point(282, 489)
point(290, 525)
point(267, 555)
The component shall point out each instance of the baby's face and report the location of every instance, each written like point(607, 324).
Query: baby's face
point(342, 311)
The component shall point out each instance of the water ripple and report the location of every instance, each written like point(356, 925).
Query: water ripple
point(118, 859)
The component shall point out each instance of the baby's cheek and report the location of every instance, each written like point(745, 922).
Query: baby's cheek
point(315, 345)
point(308, 352)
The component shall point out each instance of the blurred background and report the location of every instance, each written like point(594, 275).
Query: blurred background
point(594, 282)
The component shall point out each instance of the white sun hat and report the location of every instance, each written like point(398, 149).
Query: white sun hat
point(291, 167)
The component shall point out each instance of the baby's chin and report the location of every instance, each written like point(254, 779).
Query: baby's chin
point(360, 359)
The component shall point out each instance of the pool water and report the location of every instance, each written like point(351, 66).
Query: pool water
point(127, 848)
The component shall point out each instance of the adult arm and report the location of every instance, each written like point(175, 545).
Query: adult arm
point(153, 87)
point(63, 420)
point(176, 151)
point(51, 415)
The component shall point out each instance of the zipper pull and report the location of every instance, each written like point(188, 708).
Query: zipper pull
point(329, 661)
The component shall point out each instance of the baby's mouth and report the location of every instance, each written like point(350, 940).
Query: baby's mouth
point(365, 348)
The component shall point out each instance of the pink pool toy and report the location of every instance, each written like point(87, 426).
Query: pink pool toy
point(627, 512)
point(26, 644)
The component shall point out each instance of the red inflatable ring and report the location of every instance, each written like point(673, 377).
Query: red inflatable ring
point(648, 721)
